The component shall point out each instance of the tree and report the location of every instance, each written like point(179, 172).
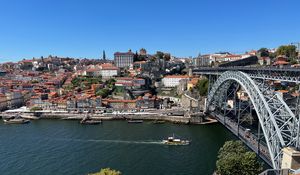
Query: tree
point(202, 86)
point(235, 159)
point(159, 55)
point(263, 52)
point(135, 57)
point(287, 50)
point(110, 83)
point(103, 92)
point(107, 171)
point(167, 56)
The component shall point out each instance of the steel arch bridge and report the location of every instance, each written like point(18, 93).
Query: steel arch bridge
point(279, 125)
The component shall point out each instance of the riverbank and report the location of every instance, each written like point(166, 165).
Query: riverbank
point(180, 119)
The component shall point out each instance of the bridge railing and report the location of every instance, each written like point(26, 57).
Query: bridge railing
point(249, 139)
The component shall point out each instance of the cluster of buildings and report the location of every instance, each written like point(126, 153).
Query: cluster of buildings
point(105, 70)
point(219, 58)
point(262, 59)
point(49, 83)
point(131, 80)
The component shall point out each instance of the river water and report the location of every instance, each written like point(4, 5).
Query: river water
point(65, 147)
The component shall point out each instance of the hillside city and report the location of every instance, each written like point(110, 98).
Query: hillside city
point(130, 81)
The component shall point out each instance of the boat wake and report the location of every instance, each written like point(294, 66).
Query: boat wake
point(113, 141)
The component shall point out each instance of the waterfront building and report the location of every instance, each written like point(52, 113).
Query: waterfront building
point(123, 59)
point(3, 102)
point(147, 101)
point(84, 104)
point(14, 99)
point(121, 104)
point(173, 80)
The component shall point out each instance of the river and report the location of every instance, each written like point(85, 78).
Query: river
point(65, 147)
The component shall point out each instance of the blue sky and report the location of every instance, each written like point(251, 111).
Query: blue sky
point(84, 28)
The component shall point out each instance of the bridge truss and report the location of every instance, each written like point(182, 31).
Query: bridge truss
point(266, 73)
point(278, 123)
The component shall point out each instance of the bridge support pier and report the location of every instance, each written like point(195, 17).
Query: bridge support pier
point(290, 158)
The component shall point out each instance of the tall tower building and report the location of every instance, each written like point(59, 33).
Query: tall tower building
point(103, 55)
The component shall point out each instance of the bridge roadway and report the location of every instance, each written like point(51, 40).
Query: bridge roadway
point(286, 74)
point(251, 140)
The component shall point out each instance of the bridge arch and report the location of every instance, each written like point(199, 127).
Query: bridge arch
point(279, 125)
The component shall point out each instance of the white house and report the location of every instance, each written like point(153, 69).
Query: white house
point(109, 70)
point(173, 80)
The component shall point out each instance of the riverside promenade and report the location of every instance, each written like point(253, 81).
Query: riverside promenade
point(174, 116)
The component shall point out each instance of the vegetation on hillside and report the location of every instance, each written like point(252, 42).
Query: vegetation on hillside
point(287, 50)
point(103, 92)
point(263, 52)
point(85, 81)
point(202, 86)
point(235, 159)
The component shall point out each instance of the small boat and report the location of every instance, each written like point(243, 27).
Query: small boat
point(159, 122)
point(30, 117)
point(135, 121)
point(15, 121)
point(91, 122)
point(175, 141)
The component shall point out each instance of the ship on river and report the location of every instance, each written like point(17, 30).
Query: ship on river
point(175, 141)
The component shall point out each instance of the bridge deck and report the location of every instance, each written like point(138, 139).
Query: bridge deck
point(250, 140)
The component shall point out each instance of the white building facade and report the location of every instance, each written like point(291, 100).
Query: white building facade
point(173, 80)
point(123, 60)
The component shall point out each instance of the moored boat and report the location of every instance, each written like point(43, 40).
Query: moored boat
point(158, 122)
point(30, 117)
point(135, 121)
point(175, 141)
point(15, 121)
point(90, 122)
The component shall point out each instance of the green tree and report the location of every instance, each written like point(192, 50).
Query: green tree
point(136, 57)
point(111, 83)
point(202, 86)
point(263, 52)
point(235, 159)
point(103, 92)
point(167, 56)
point(287, 50)
point(159, 55)
point(107, 171)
